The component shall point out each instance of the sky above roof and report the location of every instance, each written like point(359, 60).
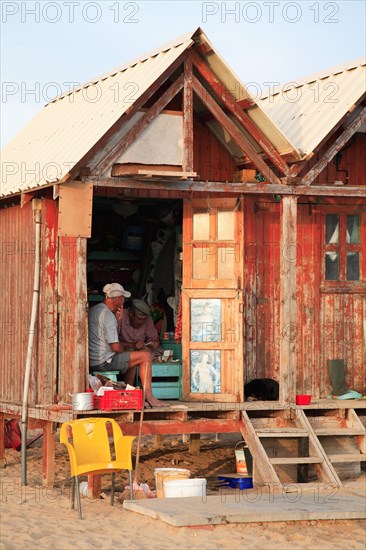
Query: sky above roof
point(47, 47)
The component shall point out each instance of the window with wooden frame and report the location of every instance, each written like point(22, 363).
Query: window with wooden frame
point(344, 254)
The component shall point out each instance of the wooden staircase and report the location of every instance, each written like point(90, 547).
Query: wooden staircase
point(343, 437)
point(295, 445)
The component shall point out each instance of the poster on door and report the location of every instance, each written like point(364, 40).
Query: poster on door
point(205, 371)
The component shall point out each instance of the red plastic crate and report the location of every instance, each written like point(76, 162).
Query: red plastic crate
point(119, 399)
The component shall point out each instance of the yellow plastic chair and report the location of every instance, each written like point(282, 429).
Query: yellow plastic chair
point(96, 446)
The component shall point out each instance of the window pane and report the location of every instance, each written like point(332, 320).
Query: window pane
point(201, 264)
point(205, 320)
point(353, 266)
point(225, 263)
point(332, 229)
point(225, 225)
point(331, 266)
point(353, 229)
point(201, 226)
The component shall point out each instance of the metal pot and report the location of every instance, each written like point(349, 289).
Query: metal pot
point(82, 401)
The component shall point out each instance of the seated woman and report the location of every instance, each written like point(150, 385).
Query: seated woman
point(137, 330)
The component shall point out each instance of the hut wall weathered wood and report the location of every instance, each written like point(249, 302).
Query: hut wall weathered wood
point(211, 160)
point(352, 159)
point(330, 317)
point(72, 317)
point(329, 322)
point(17, 259)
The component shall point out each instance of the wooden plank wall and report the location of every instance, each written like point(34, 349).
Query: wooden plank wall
point(16, 278)
point(342, 337)
point(211, 160)
point(308, 307)
point(47, 333)
point(73, 317)
point(261, 281)
point(329, 325)
point(353, 160)
point(17, 257)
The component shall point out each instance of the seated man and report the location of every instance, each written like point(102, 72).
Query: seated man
point(137, 330)
point(106, 353)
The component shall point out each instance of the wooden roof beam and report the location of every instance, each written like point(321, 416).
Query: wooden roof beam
point(139, 127)
point(218, 88)
point(131, 111)
point(242, 142)
point(340, 142)
point(188, 117)
point(227, 187)
point(246, 103)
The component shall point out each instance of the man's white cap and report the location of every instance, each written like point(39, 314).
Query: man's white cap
point(113, 290)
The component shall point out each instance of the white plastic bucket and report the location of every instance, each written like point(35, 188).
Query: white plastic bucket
point(163, 474)
point(82, 401)
point(195, 487)
point(83, 489)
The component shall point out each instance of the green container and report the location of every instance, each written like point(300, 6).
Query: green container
point(167, 369)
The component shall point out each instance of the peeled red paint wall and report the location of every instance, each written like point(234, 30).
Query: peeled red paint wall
point(73, 316)
point(353, 159)
point(211, 160)
point(329, 324)
point(16, 277)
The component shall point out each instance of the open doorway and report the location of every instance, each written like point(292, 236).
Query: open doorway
point(138, 243)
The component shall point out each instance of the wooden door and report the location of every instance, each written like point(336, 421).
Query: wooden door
point(212, 300)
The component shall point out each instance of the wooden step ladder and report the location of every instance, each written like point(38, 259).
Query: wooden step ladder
point(278, 426)
point(343, 437)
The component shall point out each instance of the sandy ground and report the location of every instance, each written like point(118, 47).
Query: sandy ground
point(40, 517)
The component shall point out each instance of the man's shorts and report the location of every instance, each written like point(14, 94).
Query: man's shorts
point(119, 363)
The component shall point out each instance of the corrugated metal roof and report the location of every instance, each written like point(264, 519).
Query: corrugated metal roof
point(67, 127)
point(308, 111)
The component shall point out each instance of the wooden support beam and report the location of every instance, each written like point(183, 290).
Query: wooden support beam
point(261, 462)
point(297, 460)
point(188, 117)
point(239, 138)
point(136, 106)
point(354, 421)
point(122, 170)
point(169, 427)
point(325, 470)
point(296, 168)
point(334, 149)
point(222, 92)
point(119, 170)
point(330, 190)
point(49, 454)
point(288, 245)
point(158, 441)
point(246, 103)
point(2, 442)
point(347, 457)
point(228, 187)
point(138, 127)
point(94, 486)
point(194, 443)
